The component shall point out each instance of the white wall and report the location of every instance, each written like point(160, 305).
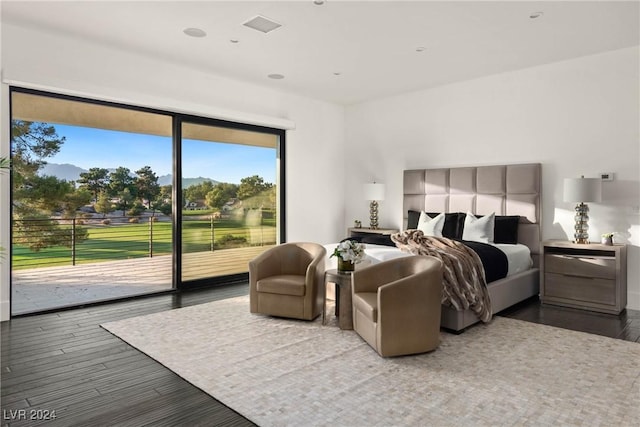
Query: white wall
point(576, 117)
point(315, 166)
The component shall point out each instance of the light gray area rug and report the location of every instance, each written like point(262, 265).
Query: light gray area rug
point(280, 372)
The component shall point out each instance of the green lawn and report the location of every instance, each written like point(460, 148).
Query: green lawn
point(123, 241)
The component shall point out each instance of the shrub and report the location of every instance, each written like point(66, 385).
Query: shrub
point(165, 208)
point(153, 219)
point(134, 220)
point(105, 221)
point(136, 209)
point(230, 241)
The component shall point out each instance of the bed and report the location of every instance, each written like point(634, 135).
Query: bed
point(506, 190)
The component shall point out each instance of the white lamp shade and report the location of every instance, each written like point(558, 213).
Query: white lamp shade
point(582, 189)
point(374, 191)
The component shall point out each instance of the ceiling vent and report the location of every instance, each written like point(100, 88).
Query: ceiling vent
point(262, 24)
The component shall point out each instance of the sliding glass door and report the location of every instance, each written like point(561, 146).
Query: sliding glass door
point(111, 201)
point(91, 202)
point(229, 197)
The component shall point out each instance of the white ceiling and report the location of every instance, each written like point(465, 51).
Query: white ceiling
point(372, 44)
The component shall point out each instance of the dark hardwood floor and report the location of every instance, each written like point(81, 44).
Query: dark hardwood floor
point(625, 326)
point(65, 364)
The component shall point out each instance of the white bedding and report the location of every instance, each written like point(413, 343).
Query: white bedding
point(518, 256)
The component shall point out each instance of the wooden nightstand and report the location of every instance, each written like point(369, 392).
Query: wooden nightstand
point(587, 276)
point(359, 231)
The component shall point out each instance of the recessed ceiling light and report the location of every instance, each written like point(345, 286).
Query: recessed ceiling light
point(276, 76)
point(421, 49)
point(337, 73)
point(536, 15)
point(234, 41)
point(318, 2)
point(194, 32)
point(262, 24)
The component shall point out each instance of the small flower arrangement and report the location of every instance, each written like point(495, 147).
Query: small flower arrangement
point(349, 250)
point(607, 235)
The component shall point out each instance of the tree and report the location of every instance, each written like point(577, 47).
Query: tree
point(125, 200)
point(35, 197)
point(32, 142)
point(166, 193)
point(103, 205)
point(146, 184)
point(252, 186)
point(136, 209)
point(96, 181)
point(44, 194)
point(221, 194)
point(165, 197)
point(74, 200)
point(122, 186)
point(198, 191)
point(264, 200)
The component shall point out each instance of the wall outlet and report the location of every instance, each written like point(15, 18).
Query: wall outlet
point(606, 176)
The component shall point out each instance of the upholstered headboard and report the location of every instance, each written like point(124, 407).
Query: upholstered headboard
point(504, 189)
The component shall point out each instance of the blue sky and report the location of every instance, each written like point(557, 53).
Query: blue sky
point(88, 147)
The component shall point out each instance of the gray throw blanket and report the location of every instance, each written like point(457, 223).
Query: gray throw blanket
point(464, 286)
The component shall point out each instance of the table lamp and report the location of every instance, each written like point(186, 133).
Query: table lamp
point(374, 192)
point(581, 190)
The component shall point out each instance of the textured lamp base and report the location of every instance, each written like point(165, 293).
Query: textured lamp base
point(581, 228)
point(373, 215)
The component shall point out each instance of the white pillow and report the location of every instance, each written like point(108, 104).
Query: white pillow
point(431, 226)
point(479, 229)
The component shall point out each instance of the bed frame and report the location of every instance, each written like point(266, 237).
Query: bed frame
point(503, 189)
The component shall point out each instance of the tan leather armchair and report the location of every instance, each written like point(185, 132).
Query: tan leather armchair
point(396, 305)
point(287, 280)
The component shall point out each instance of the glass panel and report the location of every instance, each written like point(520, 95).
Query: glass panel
point(229, 194)
point(91, 202)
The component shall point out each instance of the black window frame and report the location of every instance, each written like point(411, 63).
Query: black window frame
point(177, 119)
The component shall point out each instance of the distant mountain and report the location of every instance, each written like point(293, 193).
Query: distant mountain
point(62, 171)
point(70, 172)
point(186, 182)
point(165, 179)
